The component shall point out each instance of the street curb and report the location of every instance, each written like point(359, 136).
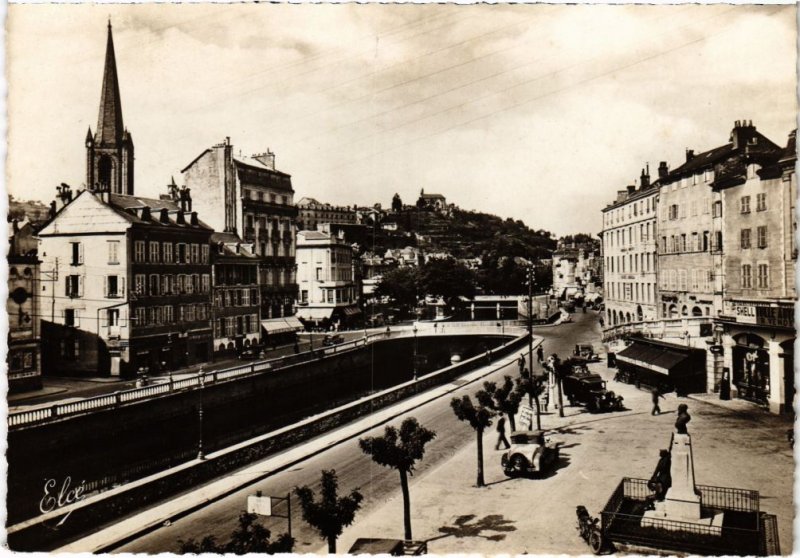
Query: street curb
point(156, 523)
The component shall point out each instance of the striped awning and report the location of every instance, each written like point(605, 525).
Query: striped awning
point(274, 326)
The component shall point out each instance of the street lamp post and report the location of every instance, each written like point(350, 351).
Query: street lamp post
point(201, 377)
point(415, 351)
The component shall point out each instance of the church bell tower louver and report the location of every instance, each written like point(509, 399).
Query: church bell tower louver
point(109, 152)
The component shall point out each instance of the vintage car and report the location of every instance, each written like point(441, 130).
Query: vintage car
point(331, 340)
point(581, 387)
point(586, 352)
point(530, 452)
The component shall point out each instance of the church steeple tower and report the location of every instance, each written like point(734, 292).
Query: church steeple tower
point(109, 154)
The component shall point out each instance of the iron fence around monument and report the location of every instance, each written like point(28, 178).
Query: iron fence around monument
point(739, 534)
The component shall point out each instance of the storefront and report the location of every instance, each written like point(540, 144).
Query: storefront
point(665, 366)
point(758, 350)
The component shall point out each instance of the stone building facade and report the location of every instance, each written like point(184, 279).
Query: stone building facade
point(249, 197)
point(629, 253)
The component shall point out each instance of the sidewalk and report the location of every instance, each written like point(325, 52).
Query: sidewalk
point(733, 447)
point(176, 507)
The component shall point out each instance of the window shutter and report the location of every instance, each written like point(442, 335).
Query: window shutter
point(80, 285)
point(106, 289)
point(66, 285)
point(80, 252)
point(77, 318)
point(121, 286)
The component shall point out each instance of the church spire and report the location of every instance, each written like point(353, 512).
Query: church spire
point(109, 122)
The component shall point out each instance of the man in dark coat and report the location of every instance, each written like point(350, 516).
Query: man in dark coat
point(501, 433)
point(656, 394)
point(540, 354)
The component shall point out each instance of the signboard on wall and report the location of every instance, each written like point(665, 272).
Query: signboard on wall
point(780, 316)
point(745, 313)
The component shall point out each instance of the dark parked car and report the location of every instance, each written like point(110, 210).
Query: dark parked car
point(581, 387)
point(251, 353)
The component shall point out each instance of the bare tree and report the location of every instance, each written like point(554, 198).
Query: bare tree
point(331, 514)
point(400, 449)
point(479, 418)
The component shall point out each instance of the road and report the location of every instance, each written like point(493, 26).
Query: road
point(355, 469)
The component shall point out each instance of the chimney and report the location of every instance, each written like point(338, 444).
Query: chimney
point(663, 170)
point(631, 189)
point(164, 217)
point(188, 199)
point(267, 159)
point(689, 154)
point(182, 196)
point(644, 179)
point(193, 221)
point(145, 216)
point(179, 218)
point(621, 195)
point(743, 131)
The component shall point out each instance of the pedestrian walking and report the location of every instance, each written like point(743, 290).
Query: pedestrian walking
point(540, 354)
point(501, 434)
point(521, 364)
point(656, 409)
point(546, 397)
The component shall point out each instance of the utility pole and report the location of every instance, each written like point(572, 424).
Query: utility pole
point(533, 383)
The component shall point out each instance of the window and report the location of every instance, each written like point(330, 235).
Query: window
point(138, 281)
point(113, 251)
point(166, 284)
point(168, 317)
point(166, 252)
point(141, 317)
point(245, 297)
point(304, 296)
point(70, 349)
point(718, 240)
point(195, 283)
point(154, 285)
point(77, 253)
point(683, 243)
point(745, 238)
point(153, 252)
point(195, 253)
point(763, 276)
point(112, 316)
point(744, 204)
point(319, 274)
point(762, 236)
point(204, 254)
point(113, 286)
point(683, 211)
point(69, 317)
point(330, 295)
point(705, 241)
point(761, 202)
point(138, 251)
point(747, 276)
point(683, 280)
point(673, 212)
point(74, 286)
point(709, 175)
point(206, 282)
point(188, 313)
point(695, 242)
point(717, 209)
point(180, 256)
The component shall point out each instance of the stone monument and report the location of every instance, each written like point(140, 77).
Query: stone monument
point(682, 505)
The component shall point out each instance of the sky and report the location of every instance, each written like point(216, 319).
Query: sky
point(537, 112)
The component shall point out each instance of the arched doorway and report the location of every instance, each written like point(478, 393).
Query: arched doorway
point(628, 317)
point(685, 311)
point(751, 367)
point(697, 311)
point(673, 311)
point(639, 313)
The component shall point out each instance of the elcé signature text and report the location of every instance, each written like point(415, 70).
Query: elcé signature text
point(56, 497)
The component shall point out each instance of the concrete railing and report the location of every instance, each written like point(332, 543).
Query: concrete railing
point(60, 411)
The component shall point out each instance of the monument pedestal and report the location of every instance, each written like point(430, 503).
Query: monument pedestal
point(681, 506)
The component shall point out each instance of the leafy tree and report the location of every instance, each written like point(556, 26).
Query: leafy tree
point(400, 285)
point(447, 278)
point(331, 514)
point(397, 203)
point(400, 449)
point(479, 418)
point(503, 399)
point(248, 537)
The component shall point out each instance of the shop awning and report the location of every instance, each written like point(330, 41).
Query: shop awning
point(314, 314)
point(655, 358)
point(281, 325)
point(352, 310)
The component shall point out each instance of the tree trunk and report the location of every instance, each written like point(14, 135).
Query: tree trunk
point(331, 545)
point(538, 414)
point(480, 457)
point(511, 421)
point(406, 504)
point(560, 400)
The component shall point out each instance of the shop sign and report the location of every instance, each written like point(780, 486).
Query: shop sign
point(745, 313)
point(715, 349)
point(776, 316)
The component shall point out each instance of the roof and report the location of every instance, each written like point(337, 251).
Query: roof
point(256, 164)
point(313, 235)
point(308, 201)
point(431, 196)
point(789, 152)
point(126, 206)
